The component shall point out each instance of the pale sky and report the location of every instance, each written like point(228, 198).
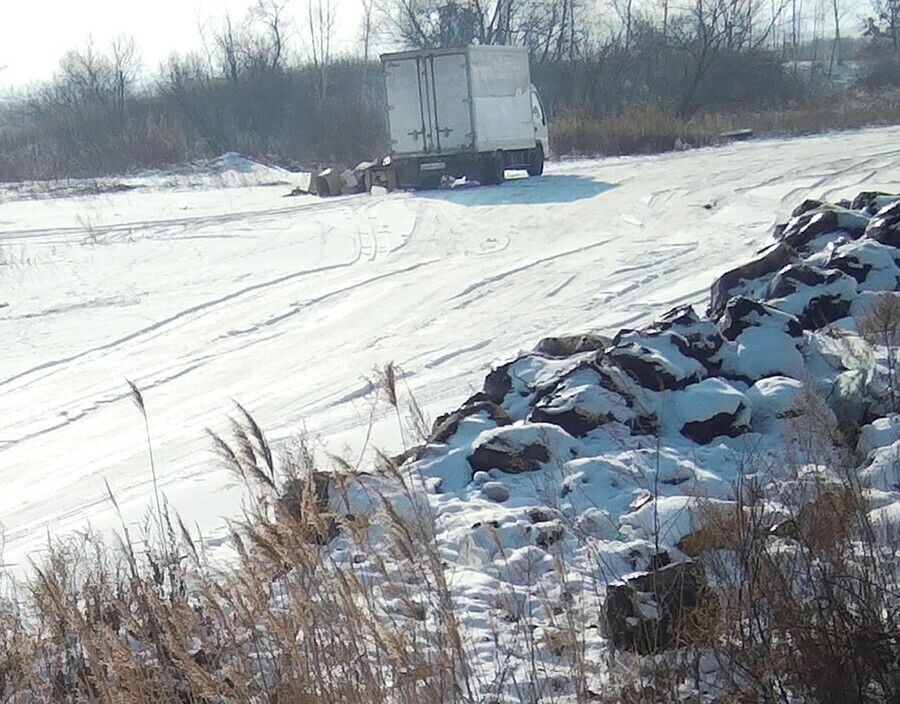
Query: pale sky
point(34, 34)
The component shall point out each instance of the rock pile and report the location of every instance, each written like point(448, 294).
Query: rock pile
point(621, 438)
point(703, 377)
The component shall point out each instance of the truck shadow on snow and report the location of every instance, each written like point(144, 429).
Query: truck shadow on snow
point(534, 190)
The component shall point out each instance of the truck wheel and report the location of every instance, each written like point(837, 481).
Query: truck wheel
point(536, 167)
point(493, 168)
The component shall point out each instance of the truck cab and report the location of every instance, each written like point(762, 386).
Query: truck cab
point(541, 134)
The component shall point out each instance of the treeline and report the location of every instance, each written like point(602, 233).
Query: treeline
point(252, 91)
point(280, 115)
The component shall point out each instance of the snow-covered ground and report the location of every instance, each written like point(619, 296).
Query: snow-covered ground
point(206, 287)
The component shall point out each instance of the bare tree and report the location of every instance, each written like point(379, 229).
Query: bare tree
point(320, 21)
point(836, 44)
point(367, 26)
point(86, 75)
point(444, 23)
point(271, 43)
point(889, 14)
point(230, 52)
point(125, 64)
point(718, 26)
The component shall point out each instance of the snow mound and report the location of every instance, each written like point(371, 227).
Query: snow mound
point(232, 161)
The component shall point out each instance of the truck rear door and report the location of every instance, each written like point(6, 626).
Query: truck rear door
point(452, 119)
point(429, 105)
point(406, 126)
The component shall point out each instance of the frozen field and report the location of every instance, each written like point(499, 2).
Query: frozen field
point(208, 286)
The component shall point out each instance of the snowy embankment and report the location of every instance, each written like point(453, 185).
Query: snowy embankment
point(591, 459)
point(205, 288)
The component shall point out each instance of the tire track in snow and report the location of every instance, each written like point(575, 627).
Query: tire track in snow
point(821, 180)
point(198, 221)
point(301, 306)
point(186, 313)
point(96, 405)
point(438, 361)
point(519, 269)
point(553, 292)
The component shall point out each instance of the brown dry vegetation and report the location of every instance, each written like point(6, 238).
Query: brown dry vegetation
point(653, 129)
point(804, 610)
point(285, 623)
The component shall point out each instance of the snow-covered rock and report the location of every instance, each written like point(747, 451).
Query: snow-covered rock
point(581, 402)
point(773, 398)
point(816, 297)
point(874, 266)
point(702, 336)
point(656, 361)
point(495, 491)
point(759, 352)
point(520, 448)
point(814, 224)
point(710, 409)
point(885, 225)
point(742, 313)
point(880, 433)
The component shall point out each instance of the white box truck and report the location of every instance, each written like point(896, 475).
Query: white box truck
point(470, 111)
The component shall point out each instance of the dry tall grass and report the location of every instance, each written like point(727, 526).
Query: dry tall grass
point(327, 603)
point(651, 129)
point(811, 604)
point(289, 622)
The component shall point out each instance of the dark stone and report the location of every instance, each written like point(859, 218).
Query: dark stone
point(885, 226)
point(645, 372)
point(723, 288)
point(677, 317)
point(643, 365)
point(683, 602)
point(445, 426)
point(868, 201)
point(660, 559)
point(541, 514)
point(832, 301)
point(824, 310)
point(788, 279)
point(415, 452)
point(644, 425)
point(811, 222)
point(568, 345)
point(705, 431)
point(701, 339)
point(739, 311)
point(807, 206)
point(575, 421)
point(698, 342)
point(578, 420)
point(498, 383)
point(872, 265)
point(548, 534)
point(851, 266)
point(495, 454)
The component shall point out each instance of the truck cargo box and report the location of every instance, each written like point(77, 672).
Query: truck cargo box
point(470, 99)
